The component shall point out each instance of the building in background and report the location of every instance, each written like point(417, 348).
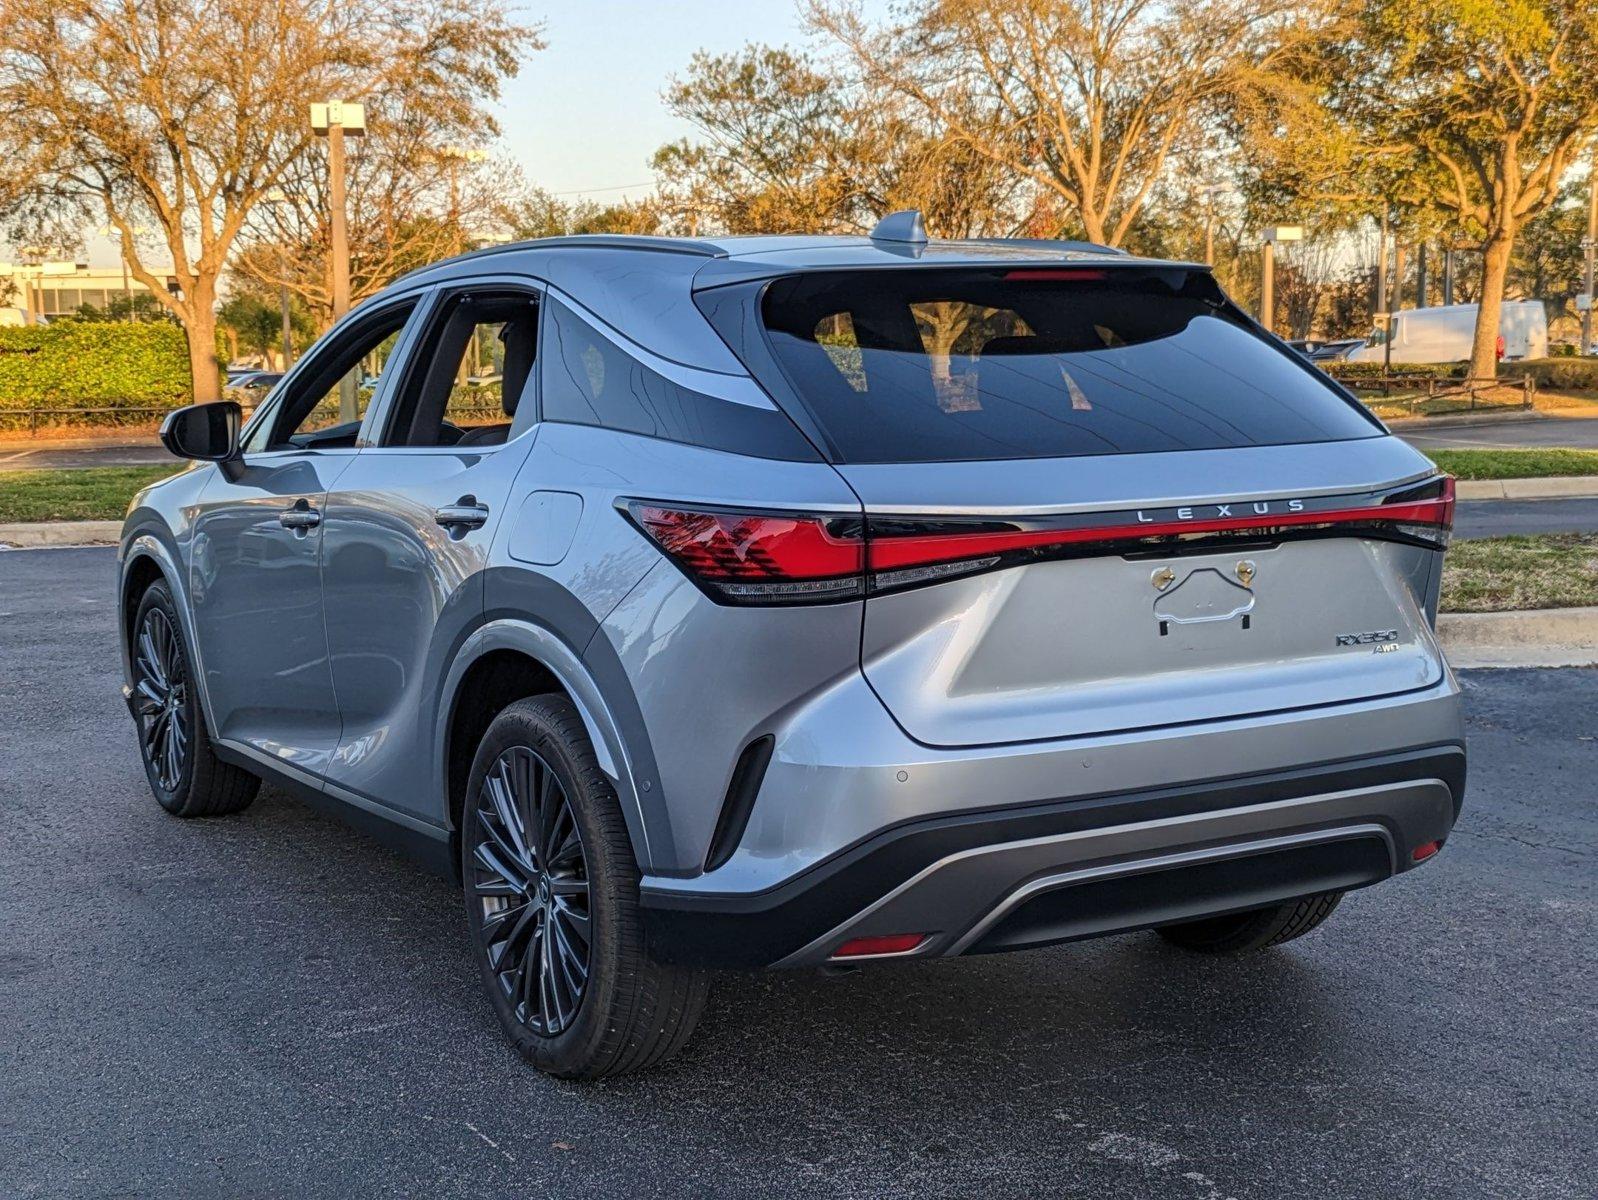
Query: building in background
point(30, 292)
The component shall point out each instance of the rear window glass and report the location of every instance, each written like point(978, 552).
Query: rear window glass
point(926, 365)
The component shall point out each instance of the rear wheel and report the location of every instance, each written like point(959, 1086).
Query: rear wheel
point(552, 904)
point(1241, 933)
point(184, 773)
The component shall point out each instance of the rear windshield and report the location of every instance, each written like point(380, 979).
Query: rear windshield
point(929, 365)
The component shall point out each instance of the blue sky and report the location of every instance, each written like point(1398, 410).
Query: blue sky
point(584, 116)
point(586, 113)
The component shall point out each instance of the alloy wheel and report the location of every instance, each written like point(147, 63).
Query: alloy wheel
point(530, 881)
point(160, 695)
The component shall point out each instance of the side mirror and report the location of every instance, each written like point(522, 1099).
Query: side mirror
point(209, 432)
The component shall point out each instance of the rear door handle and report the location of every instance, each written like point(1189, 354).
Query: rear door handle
point(301, 517)
point(464, 514)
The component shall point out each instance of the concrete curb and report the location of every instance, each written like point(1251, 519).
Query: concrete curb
point(1402, 425)
point(1546, 637)
point(31, 535)
point(1562, 487)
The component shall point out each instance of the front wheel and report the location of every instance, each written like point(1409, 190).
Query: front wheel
point(1241, 933)
point(551, 892)
point(185, 774)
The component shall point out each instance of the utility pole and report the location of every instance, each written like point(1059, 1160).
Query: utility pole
point(1448, 275)
point(1380, 305)
point(332, 121)
point(1398, 275)
point(1209, 191)
point(1590, 245)
point(277, 198)
point(1422, 300)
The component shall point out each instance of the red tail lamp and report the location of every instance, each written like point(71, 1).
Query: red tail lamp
point(1424, 851)
point(887, 943)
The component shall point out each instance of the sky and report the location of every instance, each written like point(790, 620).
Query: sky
point(584, 116)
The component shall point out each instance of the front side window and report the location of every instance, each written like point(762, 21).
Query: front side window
point(588, 379)
point(327, 398)
point(917, 365)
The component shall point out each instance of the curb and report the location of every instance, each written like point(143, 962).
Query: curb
point(1565, 487)
point(33, 535)
point(1548, 637)
point(1399, 425)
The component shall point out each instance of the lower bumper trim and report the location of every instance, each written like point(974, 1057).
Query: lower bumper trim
point(950, 873)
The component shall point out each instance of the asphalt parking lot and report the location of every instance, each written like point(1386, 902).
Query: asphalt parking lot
point(273, 1005)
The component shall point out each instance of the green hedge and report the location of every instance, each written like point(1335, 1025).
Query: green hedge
point(1562, 374)
point(1352, 371)
point(75, 364)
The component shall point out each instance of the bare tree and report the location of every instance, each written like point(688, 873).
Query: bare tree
point(1086, 99)
point(181, 115)
point(791, 145)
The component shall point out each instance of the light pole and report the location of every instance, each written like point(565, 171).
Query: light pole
point(332, 121)
point(1277, 233)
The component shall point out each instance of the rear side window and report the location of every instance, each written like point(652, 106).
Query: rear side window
point(928, 365)
point(588, 379)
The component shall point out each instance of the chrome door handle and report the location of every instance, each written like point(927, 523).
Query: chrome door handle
point(299, 518)
point(464, 514)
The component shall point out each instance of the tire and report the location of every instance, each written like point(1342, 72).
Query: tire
point(623, 1011)
point(186, 776)
point(1243, 933)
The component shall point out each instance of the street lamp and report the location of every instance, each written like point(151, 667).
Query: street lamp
point(332, 121)
point(1277, 233)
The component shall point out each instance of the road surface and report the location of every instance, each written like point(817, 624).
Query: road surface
point(272, 1005)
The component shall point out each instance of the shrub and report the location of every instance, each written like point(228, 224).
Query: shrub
point(1355, 371)
point(81, 364)
point(1561, 374)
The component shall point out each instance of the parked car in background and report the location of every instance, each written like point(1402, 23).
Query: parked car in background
point(815, 602)
point(251, 386)
point(1443, 334)
point(1327, 351)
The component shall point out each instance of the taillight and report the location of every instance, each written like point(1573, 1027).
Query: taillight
point(796, 558)
point(760, 558)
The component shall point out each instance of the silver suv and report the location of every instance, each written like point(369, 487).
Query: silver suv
point(806, 602)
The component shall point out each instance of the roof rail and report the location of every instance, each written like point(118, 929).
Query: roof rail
point(578, 241)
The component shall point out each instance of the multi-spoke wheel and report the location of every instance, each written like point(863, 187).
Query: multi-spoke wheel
point(159, 692)
point(551, 890)
point(184, 773)
point(531, 881)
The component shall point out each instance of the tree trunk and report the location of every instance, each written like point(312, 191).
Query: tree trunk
point(204, 372)
point(1495, 269)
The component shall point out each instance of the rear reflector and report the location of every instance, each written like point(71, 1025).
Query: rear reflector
point(887, 943)
point(1424, 851)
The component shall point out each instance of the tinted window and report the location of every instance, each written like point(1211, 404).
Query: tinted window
point(589, 380)
point(925, 365)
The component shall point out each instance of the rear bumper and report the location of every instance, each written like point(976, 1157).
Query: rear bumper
point(1007, 878)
